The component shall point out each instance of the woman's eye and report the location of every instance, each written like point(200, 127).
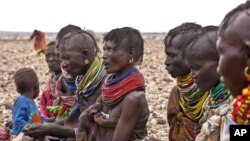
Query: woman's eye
point(196, 68)
point(170, 55)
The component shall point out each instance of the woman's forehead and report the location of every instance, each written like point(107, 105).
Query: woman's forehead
point(109, 43)
point(124, 45)
point(78, 42)
point(51, 48)
point(239, 27)
point(176, 40)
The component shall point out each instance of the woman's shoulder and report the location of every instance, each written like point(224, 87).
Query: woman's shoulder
point(136, 94)
point(135, 97)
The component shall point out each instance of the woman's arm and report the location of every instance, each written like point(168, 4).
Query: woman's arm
point(132, 107)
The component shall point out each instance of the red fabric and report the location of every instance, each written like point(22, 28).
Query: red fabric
point(46, 100)
point(114, 92)
point(40, 41)
point(4, 134)
point(61, 98)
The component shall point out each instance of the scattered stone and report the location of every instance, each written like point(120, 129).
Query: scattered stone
point(161, 121)
point(18, 52)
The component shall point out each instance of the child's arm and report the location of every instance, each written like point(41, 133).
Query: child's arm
point(19, 117)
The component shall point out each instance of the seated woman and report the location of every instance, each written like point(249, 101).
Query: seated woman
point(59, 95)
point(65, 87)
point(79, 61)
point(124, 112)
point(184, 105)
point(233, 46)
point(202, 57)
point(48, 95)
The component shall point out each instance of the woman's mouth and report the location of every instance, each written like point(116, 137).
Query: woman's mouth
point(66, 74)
point(106, 65)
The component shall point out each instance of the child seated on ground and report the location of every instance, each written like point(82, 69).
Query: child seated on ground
point(24, 110)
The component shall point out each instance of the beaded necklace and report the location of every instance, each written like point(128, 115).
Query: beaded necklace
point(53, 82)
point(69, 85)
point(191, 100)
point(241, 105)
point(218, 96)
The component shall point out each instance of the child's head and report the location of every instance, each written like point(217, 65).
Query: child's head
point(26, 82)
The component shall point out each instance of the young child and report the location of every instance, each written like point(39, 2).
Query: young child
point(24, 110)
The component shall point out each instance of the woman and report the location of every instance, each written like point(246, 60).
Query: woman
point(234, 48)
point(40, 41)
point(202, 57)
point(79, 62)
point(48, 94)
point(125, 112)
point(184, 105)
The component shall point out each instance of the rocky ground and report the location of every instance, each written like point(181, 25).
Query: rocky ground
point(17, 52)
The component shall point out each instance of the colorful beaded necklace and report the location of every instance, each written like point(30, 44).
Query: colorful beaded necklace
point(69, 85)
point(218, 96)
point(241, 105)
point(191, 100)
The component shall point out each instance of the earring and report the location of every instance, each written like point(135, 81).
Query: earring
point(131, 61)
point(86, 61)
point(246, 73)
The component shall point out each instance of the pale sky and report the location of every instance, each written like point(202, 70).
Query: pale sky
point(104, 15)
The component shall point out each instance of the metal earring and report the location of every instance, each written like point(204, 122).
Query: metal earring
point(86, 61)
point(246, 73)
point(131, 61)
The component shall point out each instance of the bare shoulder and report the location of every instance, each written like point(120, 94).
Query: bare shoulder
point(135, 97)
point(173, 93)
point(174, 90)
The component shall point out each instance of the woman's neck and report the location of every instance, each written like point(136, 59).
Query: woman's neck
point(58, 72)
point(124, 70)
point(184, 81)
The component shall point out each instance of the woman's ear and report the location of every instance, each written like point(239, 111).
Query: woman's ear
point(85, 53)
point(132, 52)
point(247, 47)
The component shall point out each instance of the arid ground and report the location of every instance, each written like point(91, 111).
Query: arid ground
point(16, 51)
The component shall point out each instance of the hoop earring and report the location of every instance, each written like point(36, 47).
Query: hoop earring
point(247, 75)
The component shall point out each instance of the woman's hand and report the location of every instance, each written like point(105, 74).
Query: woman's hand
point(38, 130)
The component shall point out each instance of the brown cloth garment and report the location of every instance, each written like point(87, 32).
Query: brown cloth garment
point(40, 42)
point(182, 128)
